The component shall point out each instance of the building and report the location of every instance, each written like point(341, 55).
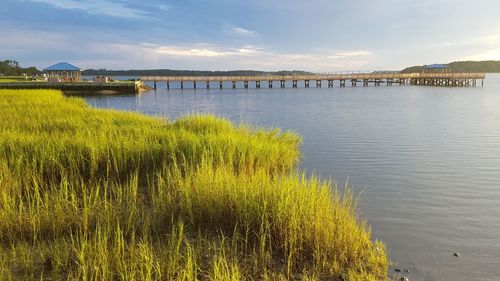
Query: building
point(63, 72)
point(436, 68)
point(101, 79)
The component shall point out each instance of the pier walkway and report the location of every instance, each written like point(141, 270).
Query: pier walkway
point(364, 79)
point(129, 87)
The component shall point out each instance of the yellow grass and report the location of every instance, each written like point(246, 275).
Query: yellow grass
point(104, 195)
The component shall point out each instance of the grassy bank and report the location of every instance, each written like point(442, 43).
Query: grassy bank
point(104, 195)
point(9, 79)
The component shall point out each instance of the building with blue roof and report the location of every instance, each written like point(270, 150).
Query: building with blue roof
point(63, 72)
point(433, 68)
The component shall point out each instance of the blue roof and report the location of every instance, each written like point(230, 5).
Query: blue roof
point(62, 66)
point(436, 66)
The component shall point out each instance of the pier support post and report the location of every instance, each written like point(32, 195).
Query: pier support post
point(168, 85)
point(282, 83)
point(270, 84)
point(354, 82)
point(306, 83)
point(234, 84)
point(194, 85)
point(294, 84)
point(318, 83)
point(220, 84)
point(182, 84)
point(342, 83)
point(208, 84)
point(245, 83)
point(154, 84)
point(365, 82)
point(330, 83)
point(257, 84)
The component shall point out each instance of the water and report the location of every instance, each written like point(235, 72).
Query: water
point(425, 159)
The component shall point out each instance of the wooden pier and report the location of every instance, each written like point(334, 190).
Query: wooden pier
point(354, 79)
point(126, 87)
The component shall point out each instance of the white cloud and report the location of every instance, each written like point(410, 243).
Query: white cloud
point(53, 47)
point(350, 54)
point(201, 50)
point(190, 52)
point(242, 31)
point(102, 7)
point(164, 7)
point(207, 56)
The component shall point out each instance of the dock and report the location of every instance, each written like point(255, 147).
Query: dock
point(126, 87)
point(354, 79)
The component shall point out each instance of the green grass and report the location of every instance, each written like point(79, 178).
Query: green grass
point(93, 194)
point(10, 79)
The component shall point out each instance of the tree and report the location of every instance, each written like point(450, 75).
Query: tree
point(12, 68)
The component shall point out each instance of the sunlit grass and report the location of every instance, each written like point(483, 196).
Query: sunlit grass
point(8, 79)
point(104, 195)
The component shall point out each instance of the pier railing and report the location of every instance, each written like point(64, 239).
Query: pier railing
point(351, 76)
point(375, 78)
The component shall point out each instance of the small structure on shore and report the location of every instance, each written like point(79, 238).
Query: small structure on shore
point(101, 79)
point(436, 68)
point(63, 72)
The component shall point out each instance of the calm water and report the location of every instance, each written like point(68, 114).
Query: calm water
point(425, 159)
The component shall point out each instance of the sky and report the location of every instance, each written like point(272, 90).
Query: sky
point(311, 35)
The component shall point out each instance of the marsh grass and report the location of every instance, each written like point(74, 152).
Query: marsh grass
point(93, 194)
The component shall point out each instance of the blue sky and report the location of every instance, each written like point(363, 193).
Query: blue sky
point(314, 35)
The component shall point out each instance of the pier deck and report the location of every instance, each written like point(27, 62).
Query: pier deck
point(130, 87)
point(365, 79)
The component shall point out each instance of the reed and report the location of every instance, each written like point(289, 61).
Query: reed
point(93, 194)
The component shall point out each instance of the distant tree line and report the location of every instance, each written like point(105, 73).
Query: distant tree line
point(463, 66)
point(171, 72)
point(12, 68)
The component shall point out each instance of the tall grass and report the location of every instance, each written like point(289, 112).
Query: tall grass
point(93, 194)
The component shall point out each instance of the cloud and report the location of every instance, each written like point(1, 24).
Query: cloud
point(101, 7)
point(242, 31)
point(208, 56)
point(200, 50)
point(190, 52)
point(350, 54)
point(53, 46)
point(164, 7)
